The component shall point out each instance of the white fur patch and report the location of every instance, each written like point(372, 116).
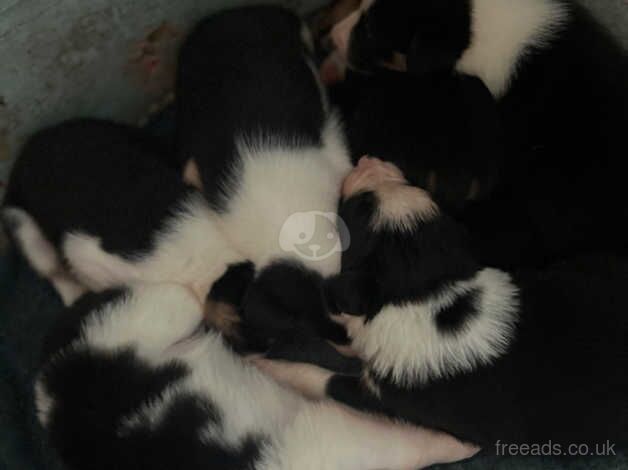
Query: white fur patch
point(38, 251)
point(42, 255)
point(43, 404)
point(190, 251)
point(151, 318)
point(328, 436)
point(274, 181)
point(400, 207)
point(502, 31)
point(404, 340)
point(370, 384)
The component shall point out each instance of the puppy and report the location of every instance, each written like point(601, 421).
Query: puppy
point(223, 310)
point(443, 131)
point(92, 194)
point(560, 82)
point(480, 353)
point(255, 133)
point(129, 381)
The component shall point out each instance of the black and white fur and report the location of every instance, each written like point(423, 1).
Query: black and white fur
point(92, 195)
point(443, 131)
point(128, 382)
point(486, 355)
point(255, 133)
point(560, 82)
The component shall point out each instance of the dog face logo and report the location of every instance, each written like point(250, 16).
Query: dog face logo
point(314, 235)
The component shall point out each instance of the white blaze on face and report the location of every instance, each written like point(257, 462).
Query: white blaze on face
point(399, 204)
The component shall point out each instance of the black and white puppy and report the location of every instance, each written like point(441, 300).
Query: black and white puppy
point(442, 130)
point(560, 82)
point(128, 382)
point(92, 194)
point(256, 135)
point(475, 351)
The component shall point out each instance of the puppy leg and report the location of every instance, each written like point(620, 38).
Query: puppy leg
point(41, 254)
point(360, 393)
point(327, 436)
point(308, 380)
point(95, 267)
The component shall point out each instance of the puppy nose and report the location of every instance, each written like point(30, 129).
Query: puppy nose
point(368, 162)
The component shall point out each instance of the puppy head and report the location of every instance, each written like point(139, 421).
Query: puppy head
point(402, 246)
point(286, 297)
point(418, 36)
point(398, 205)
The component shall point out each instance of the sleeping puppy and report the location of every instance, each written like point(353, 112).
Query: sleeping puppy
point(443, 131)
point(256, 135)
point(560, 82)
point(92, 195)
point(129, 381)
point(474, 351)
point(290, 340)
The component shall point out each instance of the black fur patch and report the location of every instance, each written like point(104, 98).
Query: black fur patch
point(295, 346)
point(92, 391)
point(284, 297)
point(391, 266)
point(453, 318)
point(442, 131)
point(97, 177)
point(243, 74)
point(433, 34)
point(231, 287)
point(176, 440)
point(568, 98)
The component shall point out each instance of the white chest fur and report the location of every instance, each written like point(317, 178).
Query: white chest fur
point(282, 195)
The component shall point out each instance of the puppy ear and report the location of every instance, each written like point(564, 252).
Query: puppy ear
point(353, 293)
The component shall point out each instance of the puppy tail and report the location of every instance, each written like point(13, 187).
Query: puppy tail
point(39, 252)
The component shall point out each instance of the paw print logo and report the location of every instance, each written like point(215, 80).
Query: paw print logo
point(314, 235)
